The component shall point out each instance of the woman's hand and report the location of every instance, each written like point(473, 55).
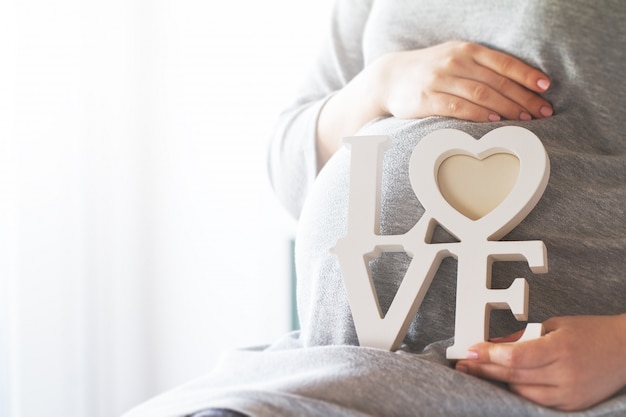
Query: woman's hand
point(455, 79)
point(578, 363)
point(463, 80)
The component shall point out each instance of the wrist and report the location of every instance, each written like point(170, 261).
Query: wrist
point(347, 111)
point(377, 77)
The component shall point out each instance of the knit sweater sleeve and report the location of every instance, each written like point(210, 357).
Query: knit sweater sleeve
point(292, 155)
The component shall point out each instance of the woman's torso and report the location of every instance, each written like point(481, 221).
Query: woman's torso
point(581, 217)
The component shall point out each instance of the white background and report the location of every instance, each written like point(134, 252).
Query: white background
point(138, 235)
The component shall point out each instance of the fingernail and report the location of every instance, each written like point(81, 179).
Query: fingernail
point(543, 84)
point(546, 111)
point(471, 354)
point(462, 368)
point(494, 117)
point(525, 116)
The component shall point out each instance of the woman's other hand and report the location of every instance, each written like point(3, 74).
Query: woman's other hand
point(578, 363)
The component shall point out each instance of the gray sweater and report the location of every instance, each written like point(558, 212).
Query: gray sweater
point(321, 371)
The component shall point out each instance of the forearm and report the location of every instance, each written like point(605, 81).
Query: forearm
point(347, 111)
point(291, 155)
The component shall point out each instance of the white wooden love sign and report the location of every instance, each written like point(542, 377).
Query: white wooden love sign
point(445, 168)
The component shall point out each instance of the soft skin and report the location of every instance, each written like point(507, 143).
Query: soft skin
point(578, 363)
point(455, 79)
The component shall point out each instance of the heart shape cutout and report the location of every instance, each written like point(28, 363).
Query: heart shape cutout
point(475, 187)
point(497, 219)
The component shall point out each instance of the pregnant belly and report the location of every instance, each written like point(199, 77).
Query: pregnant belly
point(580, 218)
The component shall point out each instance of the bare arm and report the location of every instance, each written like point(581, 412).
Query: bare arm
point(455, 79)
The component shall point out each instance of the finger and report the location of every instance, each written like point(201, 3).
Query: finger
point(510, 67)
point(483, 95)
point(537, 376)
point(450, 105)
point(509, 338)
point(547, 396)
point(530, 101)
point(554, 323)
point(525, 355)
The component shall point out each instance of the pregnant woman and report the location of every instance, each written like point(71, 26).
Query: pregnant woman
point(404, 69)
